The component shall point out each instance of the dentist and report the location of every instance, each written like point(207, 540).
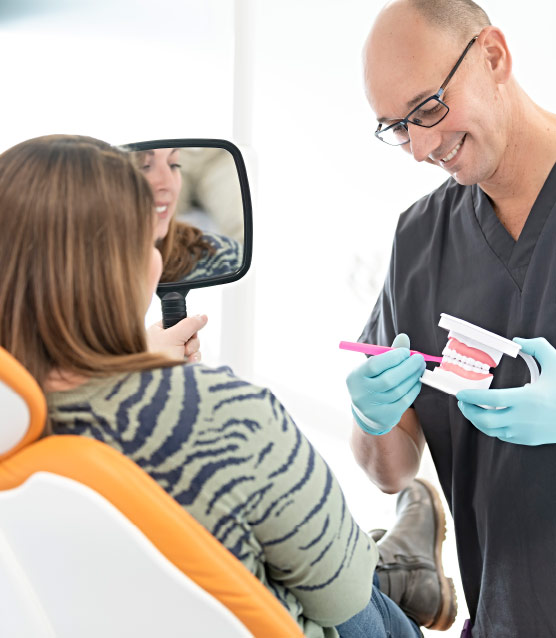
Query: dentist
point(439, 78)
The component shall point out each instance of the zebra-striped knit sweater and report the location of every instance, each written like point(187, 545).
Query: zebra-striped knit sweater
point(230, 454)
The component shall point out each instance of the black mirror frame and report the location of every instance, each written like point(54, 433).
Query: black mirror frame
point(184, 287)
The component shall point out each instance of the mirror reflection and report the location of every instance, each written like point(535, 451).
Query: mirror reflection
point(199, 210)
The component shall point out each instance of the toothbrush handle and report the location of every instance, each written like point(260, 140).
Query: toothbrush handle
point(427, 357)
point(368, 348)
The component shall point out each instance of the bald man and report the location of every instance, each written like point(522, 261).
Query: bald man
point(481, 247)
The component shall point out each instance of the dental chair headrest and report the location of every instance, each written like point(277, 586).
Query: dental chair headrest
point(22, 406)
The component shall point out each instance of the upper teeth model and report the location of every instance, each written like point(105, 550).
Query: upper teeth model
point(468, 356)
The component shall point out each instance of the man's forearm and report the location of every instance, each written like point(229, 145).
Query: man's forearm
point(391, 460)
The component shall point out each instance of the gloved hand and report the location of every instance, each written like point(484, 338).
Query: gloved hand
point(526, 415)
point(384, 387)
point(179, 342)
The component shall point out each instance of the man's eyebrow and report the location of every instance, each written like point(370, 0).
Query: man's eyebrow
point(419, 98)
point(413, 102)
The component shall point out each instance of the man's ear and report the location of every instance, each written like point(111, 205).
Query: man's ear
point(497, 54)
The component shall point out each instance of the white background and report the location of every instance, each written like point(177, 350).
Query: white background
point(326, 194)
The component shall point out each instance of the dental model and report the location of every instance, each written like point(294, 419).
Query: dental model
point(468, 356)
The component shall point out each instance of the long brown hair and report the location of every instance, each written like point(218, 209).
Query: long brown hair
point(77, 223)
point(181, 249)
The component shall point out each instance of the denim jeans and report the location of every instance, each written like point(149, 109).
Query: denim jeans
point(381, 618)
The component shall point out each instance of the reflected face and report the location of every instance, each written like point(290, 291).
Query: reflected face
point(162, 167)
point(406, 61)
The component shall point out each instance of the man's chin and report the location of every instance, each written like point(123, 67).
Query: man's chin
point(464, 179)
point(460, 179)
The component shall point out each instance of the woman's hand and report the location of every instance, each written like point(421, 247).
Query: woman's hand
point(178, 342)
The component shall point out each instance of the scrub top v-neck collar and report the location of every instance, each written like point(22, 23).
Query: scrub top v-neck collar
point(515, 255)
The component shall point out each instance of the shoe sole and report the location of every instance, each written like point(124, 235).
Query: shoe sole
point(449, 607)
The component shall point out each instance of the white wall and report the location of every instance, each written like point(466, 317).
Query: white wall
point(327, 194)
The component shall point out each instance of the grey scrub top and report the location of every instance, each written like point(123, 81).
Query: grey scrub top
point(451, 254)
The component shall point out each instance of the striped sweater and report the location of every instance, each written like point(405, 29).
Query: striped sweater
point(226, 259)
point(230, 454)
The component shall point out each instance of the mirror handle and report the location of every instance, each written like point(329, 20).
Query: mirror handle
point(173, 309)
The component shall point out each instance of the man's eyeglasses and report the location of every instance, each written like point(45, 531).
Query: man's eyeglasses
point(427, 114)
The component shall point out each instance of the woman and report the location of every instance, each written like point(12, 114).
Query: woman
point(187, 253)
point(72, 312)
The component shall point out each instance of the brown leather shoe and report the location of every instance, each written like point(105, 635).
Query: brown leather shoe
point(410, 564)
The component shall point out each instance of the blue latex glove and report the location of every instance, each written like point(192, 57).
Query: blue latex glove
point(526, 415)
point(384, 387)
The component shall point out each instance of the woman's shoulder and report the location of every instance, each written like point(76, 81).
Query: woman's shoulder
point(210, 384)
point(225, 259)
point(222, 396)
point(162, 399)
point(219, 385)
point(181, 378)
point(222, 242)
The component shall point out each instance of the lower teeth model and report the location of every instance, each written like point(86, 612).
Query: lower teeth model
point(468, 356)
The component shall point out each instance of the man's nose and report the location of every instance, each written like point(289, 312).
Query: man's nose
point(423, 141)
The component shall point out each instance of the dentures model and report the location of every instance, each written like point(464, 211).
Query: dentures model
point(468, 356)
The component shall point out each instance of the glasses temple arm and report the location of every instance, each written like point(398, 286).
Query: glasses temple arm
point(444, 84)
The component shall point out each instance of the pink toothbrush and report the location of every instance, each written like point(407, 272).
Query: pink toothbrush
point(368, 348)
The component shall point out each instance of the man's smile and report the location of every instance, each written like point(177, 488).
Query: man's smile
point(452, 154)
